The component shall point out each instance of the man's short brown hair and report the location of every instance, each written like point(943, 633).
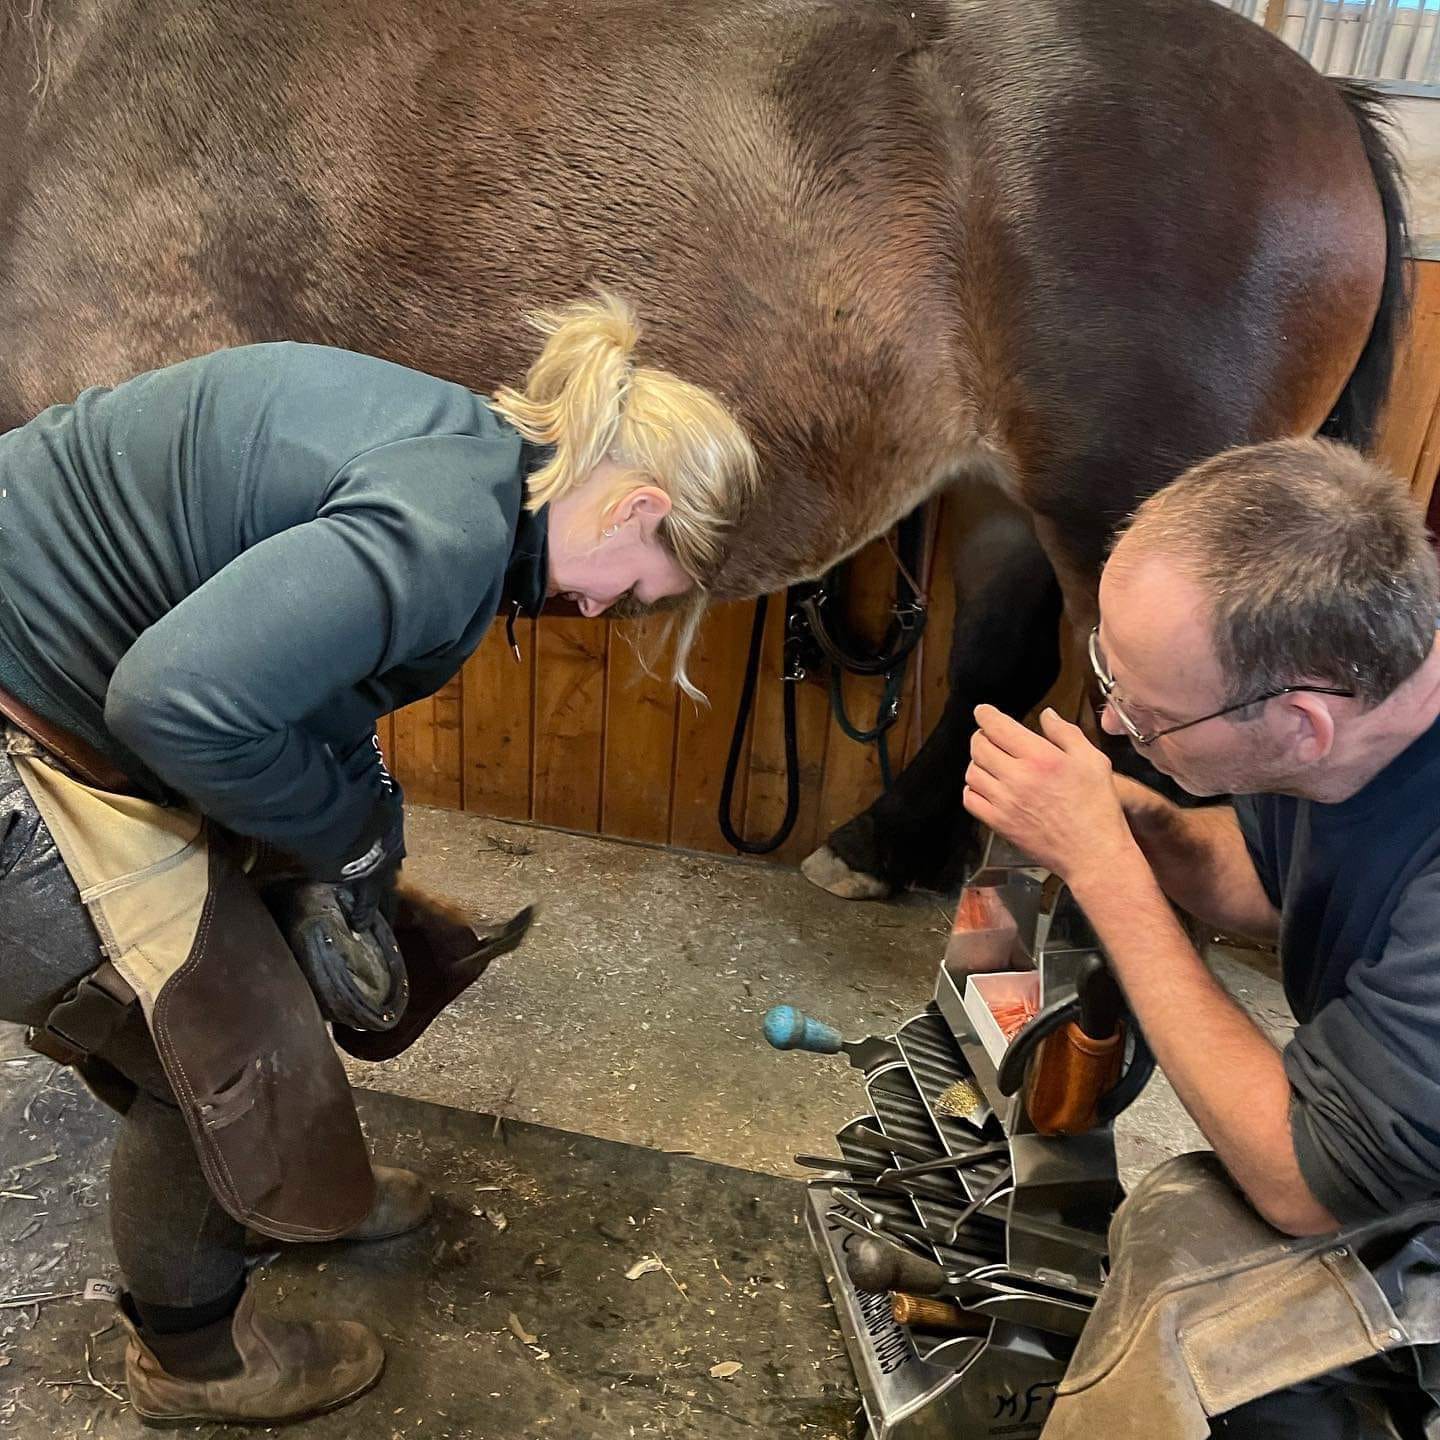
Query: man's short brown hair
point(1317, 562)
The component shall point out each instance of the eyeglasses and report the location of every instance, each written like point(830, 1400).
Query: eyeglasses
point(1106, 682)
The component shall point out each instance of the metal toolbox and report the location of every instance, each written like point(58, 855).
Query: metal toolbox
point(945, 1168)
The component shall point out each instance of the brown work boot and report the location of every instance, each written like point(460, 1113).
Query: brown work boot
point(251, 1369)
point(402, 1204)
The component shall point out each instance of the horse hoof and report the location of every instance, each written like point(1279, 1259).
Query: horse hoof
point(827, 870)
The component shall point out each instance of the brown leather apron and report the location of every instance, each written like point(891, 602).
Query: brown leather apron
point(1208, 1308)
point(238, 1031)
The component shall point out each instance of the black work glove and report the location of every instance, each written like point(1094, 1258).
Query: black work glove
point(337, 925)
point(365, 882)
point(444, 955)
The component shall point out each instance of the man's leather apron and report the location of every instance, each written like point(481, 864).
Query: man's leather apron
point(237, 1029)
point(1208, 1308)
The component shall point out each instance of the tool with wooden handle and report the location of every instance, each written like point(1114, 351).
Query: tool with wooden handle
point(787, 1028)
point(878, 1266)
point(941, 1317)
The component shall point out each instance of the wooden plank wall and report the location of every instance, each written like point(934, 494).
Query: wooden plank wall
point(1410, 434)
point(586, 733)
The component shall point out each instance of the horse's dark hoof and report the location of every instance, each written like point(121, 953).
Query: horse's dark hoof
point(827, 870)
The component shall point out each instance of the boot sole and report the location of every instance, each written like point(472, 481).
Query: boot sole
point(384, 1235)
point(256, 1242)
point(174, 1422)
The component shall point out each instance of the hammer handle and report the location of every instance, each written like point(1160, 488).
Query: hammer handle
point(921, 1312)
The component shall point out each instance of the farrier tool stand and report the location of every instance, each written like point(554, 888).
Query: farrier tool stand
point(962, 1225)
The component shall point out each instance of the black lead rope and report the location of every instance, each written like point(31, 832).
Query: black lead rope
point(886, 714)
point(737, 742)
point(815, 632)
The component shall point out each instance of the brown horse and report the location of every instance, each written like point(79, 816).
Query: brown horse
point(1059, 248)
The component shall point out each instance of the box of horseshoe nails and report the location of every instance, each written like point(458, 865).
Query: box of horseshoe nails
point(961, 1221)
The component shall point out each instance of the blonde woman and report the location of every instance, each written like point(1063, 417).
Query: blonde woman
point(213, 579)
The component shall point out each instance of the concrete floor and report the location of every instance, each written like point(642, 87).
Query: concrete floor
point(514, 1312)
point(633, 1012)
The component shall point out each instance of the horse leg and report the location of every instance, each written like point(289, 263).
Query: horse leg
point(1004, 651)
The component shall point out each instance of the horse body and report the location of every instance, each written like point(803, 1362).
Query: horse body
point(1062, 247)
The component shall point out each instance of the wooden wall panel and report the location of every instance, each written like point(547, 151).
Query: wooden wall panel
point(428, 748)
point(1409, 444)
point(580, 737)
point(932, 662)
point(499, 716)
point(1427, 468)
point(569, 723)
point(641, 729)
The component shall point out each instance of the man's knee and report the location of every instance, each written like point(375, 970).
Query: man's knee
point(1339, 1407)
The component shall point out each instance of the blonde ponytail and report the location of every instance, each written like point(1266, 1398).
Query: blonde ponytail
point(575, 392)
point(587, 398)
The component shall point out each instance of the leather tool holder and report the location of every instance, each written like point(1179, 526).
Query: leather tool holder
point(1068, 1078)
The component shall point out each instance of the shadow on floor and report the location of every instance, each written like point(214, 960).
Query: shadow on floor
point(510, 1315)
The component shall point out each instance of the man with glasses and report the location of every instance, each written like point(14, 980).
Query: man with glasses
point(1267, 631)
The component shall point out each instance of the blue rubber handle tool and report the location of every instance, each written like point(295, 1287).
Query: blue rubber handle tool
point(787, 1028)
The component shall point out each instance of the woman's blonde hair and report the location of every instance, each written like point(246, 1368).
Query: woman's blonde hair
point(587, 398)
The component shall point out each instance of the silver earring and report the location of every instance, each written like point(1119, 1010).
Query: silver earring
point(612, 532)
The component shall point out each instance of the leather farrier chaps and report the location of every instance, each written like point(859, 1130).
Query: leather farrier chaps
point(239, 1034)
